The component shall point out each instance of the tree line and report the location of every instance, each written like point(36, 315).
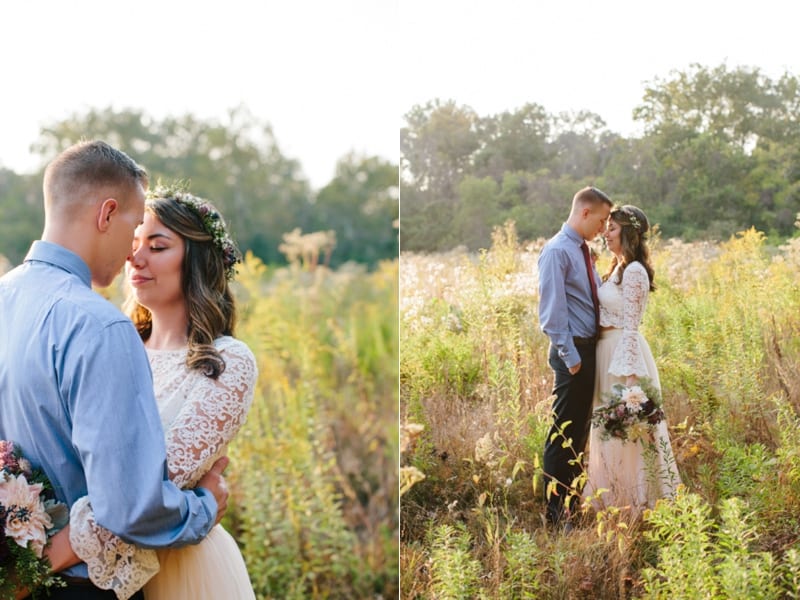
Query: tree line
point(238, 165)
point(719, 153)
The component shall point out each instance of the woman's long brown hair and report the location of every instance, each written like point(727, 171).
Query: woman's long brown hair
point(633, 229)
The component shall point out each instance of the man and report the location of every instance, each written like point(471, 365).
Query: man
point(568, 314)
point(77, 392)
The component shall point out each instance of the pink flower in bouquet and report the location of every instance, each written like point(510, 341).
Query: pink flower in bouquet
point(26, 519)
point(8, 456)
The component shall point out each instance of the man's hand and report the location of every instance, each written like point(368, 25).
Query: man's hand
point(214, 482)
point(575, 369)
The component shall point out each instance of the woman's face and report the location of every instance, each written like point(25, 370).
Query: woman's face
point(154, 267)
point(613, 237)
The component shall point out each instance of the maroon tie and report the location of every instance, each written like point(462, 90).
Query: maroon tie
point(592, 282)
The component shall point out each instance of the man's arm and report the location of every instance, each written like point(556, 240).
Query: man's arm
point(553, 316)
point(118, 433)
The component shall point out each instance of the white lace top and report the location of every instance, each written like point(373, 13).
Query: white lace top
point(200, 416)
point(622, 306)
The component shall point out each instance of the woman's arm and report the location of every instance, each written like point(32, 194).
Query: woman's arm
point(628, 360)
point(59, 552)
point(211, 417)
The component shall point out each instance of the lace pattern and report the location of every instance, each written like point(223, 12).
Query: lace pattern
point(200, 417)
point(622, 306)
point(113, 564)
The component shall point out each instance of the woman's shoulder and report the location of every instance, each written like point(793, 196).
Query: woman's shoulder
point(634, 267)
point(230, 346)
point(227, 343)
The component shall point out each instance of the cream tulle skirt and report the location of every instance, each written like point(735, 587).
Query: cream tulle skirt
point(211, 570)
point(626, 473)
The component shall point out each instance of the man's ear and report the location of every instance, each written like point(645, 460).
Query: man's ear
point(108, 207)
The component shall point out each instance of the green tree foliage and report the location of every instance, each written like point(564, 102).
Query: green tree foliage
point(438, 145)
point(463, 175)
point(513, 141)
point(718, 154)
point(21, 214)
point(237, 164)
point(360, 205)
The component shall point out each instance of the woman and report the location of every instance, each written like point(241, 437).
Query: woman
point(632, 472)
point(183, 308)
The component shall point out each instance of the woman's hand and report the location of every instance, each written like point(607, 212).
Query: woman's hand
point(631, 380)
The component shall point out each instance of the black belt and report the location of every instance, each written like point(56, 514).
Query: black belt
point(583, 341)
point(77, 581)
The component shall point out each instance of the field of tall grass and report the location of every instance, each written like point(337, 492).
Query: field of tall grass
point(724, 326)
point(313, 474)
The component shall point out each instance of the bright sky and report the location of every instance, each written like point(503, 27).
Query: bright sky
point(335, 76)
point(321, 73)
point(568, 55)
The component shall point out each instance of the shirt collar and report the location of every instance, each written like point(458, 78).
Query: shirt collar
point(60, 257)
point(572, 234)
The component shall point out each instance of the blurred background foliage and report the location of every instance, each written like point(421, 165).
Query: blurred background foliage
point(238, 165)
point(719, 153)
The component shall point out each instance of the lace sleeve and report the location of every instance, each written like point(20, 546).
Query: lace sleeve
point(205, 425)
point(628, 358)
point(112, 563)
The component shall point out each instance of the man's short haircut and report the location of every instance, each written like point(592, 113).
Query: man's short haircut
point(591, 195)
point(90, 164)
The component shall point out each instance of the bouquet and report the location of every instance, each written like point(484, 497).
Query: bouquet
point(630, 412)
point(29, 514)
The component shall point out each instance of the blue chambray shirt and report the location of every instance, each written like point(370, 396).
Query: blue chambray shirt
point(565, 294)
point(76, 393)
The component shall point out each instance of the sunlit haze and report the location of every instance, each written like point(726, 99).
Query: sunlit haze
point(322, 74)
point(581, 55)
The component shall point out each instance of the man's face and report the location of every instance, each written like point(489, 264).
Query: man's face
point(595, 220)
point(129, 215)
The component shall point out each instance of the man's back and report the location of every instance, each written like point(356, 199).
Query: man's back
point(53, 324)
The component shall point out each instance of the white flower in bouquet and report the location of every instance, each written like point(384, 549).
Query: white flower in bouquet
point(629, 413)
point(633, 397)
point(26, 519)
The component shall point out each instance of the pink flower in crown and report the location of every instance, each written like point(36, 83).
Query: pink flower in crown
point(26, 519)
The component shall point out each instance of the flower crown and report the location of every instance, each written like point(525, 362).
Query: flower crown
point(632, 218)
point(213, 224)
